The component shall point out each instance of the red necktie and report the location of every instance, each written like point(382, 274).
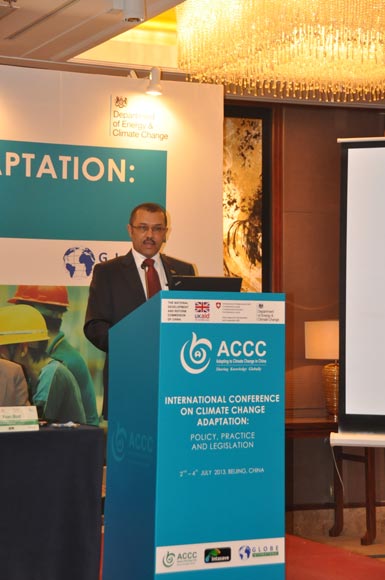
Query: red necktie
point(152, 278)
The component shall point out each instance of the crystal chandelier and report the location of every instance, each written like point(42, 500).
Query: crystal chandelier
point(326, 50)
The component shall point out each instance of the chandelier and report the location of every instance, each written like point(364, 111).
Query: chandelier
point(326, 50)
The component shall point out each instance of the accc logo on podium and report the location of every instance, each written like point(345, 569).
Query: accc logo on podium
point(196, 353)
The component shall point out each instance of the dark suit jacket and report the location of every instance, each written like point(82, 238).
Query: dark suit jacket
point(115, 291)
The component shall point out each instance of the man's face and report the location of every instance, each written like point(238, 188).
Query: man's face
point(148, 232)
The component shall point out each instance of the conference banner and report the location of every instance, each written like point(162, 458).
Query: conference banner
point(197, 435)
point(77, 153)
point(224, 397)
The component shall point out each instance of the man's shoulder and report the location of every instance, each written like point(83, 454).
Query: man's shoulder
point(177, 266)
point(9, 368)
point(63, 351)
point(114, 263)
point(59, 373)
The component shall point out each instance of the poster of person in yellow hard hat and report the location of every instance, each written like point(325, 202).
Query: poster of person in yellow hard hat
point(62, 311)
point(52, 387)
point(53, 302)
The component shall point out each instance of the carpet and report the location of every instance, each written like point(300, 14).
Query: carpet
point(308, 560)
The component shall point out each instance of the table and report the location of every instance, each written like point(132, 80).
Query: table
point(50, 503)
point(368, 459)
point(299, 427)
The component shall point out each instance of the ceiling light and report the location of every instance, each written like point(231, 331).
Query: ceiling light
point(329, 50)
point(134, 11)
point(154, 88)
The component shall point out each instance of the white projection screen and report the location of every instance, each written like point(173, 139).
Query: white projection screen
point(362, 317)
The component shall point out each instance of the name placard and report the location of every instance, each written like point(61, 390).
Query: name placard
point(18, 419)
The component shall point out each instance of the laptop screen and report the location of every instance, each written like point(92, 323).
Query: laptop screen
point(207, 283)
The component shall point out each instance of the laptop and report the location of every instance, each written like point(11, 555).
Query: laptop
point(207, 283)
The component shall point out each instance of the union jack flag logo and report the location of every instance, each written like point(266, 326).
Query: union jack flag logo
point(202, 307)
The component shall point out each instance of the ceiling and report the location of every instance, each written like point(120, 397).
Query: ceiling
point(58, 31)
point(152, 43)
point(95, 36)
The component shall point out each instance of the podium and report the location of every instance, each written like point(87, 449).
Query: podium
point(195, 450)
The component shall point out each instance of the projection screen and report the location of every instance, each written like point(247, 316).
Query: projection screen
point(362, 317)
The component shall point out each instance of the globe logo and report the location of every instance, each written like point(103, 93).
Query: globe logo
point(244, 552)
point(79, 262)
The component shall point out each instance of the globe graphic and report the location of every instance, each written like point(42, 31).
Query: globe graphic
point(79, 262)
point(244, 552)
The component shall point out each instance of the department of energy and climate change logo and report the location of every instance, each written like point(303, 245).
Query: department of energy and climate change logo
point(121, 102)
point(79, 262)
point(195, 354)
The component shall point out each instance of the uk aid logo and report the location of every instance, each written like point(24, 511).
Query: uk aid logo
point(196, 354)
point(202, 310)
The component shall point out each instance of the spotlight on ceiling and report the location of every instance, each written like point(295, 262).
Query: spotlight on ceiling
point(154, 88)
point(133, 11)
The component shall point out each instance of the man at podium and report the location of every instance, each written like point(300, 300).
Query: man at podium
point(122, 284)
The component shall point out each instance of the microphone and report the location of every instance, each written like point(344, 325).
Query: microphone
point(143, 266)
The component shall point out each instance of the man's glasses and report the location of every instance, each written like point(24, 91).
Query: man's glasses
point(154, 229)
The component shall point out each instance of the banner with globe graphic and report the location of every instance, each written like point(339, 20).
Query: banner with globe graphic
point(65, 221)
point(77, 153)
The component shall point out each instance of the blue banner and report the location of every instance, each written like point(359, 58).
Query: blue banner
point(58, 192)
point(196, 447)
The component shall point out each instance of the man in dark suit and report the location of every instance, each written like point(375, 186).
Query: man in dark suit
point(118, 286)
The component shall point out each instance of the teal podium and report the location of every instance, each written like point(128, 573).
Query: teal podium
point(195, 452)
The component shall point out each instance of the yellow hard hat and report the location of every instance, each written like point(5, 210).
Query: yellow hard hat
point(21, 323)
